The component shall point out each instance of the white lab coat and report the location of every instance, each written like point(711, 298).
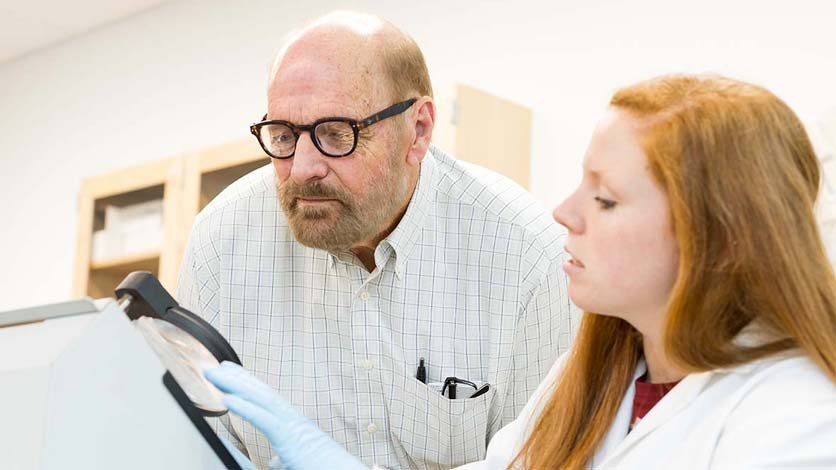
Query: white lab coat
point(777, 413)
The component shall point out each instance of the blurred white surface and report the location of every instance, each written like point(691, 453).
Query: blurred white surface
point(86, 392)
point(28, 26)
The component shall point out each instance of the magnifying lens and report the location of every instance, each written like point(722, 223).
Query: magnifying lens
point(184, 342)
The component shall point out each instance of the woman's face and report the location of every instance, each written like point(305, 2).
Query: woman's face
point(624, 256)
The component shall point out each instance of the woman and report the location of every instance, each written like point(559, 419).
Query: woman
point(713, 338)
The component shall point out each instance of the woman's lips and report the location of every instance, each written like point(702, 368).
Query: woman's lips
point(572, 265)
point(576, 263)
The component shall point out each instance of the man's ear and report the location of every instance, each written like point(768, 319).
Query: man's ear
point(424, 121)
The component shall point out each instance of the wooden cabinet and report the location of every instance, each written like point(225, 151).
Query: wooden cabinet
point(472, 125)
point(480, 128)
point(184, 183)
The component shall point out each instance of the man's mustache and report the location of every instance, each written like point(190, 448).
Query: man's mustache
point(293, 191)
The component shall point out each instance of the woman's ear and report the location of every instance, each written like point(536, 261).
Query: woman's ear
point(424, 121)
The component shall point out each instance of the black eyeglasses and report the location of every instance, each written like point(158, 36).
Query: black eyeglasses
point(333, 136)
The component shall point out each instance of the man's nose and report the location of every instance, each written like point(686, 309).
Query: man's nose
point(308, 162)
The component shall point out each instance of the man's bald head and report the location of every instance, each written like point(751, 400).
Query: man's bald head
point(366, 50)
point(350, 65)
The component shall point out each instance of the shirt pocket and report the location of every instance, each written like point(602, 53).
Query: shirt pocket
point(434, 431)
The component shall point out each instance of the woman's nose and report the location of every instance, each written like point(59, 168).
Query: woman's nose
point(567, 216)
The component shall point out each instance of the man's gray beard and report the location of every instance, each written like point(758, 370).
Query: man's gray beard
point(339, 227)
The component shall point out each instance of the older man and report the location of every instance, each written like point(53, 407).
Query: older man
point(364, 249)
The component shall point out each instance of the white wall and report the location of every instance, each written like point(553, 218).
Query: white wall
point(191, 74)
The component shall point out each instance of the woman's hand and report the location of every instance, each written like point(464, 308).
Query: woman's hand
point(295, 439)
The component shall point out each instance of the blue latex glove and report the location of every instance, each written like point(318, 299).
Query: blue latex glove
point(296, 440)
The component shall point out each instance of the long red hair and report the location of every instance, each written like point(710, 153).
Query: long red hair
point(742, 179)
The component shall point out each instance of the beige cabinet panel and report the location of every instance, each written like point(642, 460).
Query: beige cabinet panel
point(481, 128)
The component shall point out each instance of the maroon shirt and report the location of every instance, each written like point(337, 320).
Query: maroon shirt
point(647, 396)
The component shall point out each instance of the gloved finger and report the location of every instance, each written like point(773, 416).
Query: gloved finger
point(231, 376)
point(232, 379)
point(226, 374)
point(295, 439)
point(275, 463)
point(239, 456)
point(289, 432)
point(224, 377)
point(268, 423)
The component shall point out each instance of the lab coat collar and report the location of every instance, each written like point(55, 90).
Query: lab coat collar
point(615, 443)
point(621, 422)
point(753, 335)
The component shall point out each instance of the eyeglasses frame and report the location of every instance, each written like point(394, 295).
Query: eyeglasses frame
point(455, 380)
point(356, 126)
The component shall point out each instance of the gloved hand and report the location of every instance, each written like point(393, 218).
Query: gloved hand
point(295, 439)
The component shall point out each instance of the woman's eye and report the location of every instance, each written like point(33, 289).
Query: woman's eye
point(605, 204)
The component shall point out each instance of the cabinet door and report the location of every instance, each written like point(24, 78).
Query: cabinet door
point(97, 276)
point(480, 128)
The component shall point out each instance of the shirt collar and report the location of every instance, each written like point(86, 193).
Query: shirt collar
point(404, 238)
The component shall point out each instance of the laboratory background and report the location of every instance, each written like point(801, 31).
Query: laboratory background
point(120, 119)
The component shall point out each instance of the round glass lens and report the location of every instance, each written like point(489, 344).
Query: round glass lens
point(185, 358)
point(279, 139)
point(335, 137)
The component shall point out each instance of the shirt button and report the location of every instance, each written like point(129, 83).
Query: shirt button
point(367, 364)
point(364, 295)
point(372, 428)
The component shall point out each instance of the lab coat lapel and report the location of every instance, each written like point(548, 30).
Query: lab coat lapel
point(621, 423)
point(677, 399)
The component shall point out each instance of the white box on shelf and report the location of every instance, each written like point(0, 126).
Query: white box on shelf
point(133, 229)
point(140, 239)
point(145, 212)
point(102, 246)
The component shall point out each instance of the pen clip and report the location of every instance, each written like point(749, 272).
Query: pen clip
point(481, 390)
point(450, 384)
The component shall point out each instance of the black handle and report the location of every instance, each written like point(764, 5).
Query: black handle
point(150, 299)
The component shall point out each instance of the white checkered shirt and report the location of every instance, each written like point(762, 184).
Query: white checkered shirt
point(470, 280)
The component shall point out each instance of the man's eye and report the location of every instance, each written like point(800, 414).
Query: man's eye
point(338, 136)
point(605, 204)
point(281, 137)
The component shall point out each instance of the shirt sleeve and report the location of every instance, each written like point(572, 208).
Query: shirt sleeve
point(197, 291)
point(544, 333)
point(198, 286)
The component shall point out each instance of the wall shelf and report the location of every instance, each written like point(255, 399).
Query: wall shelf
point(133, 262)
point(182, 183)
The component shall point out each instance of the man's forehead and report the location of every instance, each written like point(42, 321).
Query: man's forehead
point(306, 87)
point(304, 107)
point(323, 67)
point(305, 111)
